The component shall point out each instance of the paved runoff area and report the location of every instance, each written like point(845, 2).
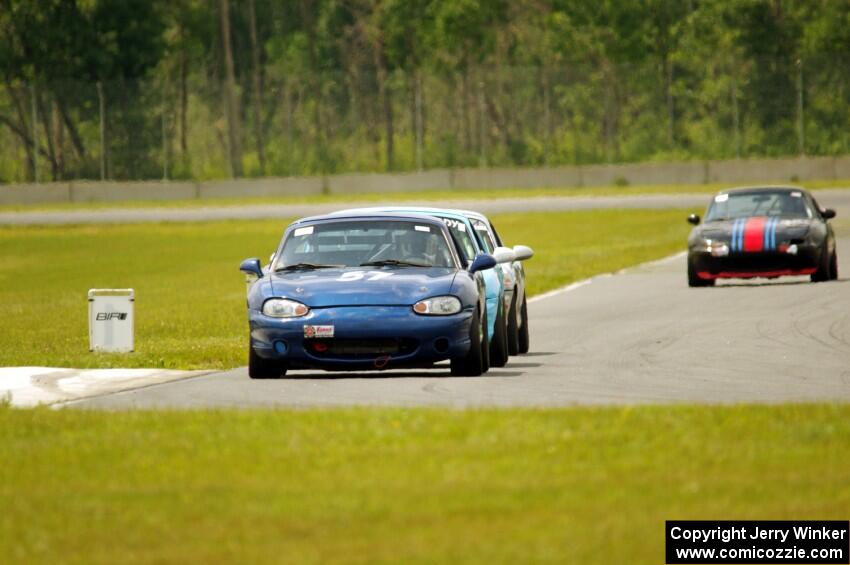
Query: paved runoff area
point(639, 336)
point(30, 386)
point(836, 197)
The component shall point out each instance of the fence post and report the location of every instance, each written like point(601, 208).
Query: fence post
point(34, 133)
point(736, 123)
point(482, 130)
point(102, 106)
point(164, 139)
point(545, 93)
point(417, 81)
point(801, 124)
point(290, 139)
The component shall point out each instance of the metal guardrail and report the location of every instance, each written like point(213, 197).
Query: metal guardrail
point(743, 171)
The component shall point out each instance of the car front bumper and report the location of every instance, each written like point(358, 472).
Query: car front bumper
point(756, 264)
point(364, 338)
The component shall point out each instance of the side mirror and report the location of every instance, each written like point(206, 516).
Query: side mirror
point(504, 255)
point(523, 252)
point(828, 214)
point(482, 262)
point(694, 219)
point(251, 267)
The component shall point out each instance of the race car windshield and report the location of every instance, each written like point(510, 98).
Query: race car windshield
point(731, 206)
point(382, 243)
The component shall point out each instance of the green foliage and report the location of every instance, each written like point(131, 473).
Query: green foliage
point(372, 85)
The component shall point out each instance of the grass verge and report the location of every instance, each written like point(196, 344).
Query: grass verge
point(423, 195)
point(575, 485)
point(190, 297)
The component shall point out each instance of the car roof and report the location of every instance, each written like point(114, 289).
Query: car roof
point(366, 214)
point(473, 214)
point(414, 210)
point(763, 188)
point(420, 211)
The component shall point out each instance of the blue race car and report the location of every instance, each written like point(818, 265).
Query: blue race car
point(365, 292)
point(471, 244)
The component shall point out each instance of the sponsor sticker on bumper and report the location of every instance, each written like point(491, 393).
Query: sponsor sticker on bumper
point(318, 331)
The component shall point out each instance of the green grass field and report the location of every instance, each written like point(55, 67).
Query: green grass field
point(368, 485)
point(428, 195)
point(572, 485)
point(190, 296)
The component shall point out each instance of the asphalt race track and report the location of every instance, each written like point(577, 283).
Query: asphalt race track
point(283, 211)
point(837, 198)
point(640, 336)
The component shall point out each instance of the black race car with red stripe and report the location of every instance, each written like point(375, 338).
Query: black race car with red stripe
point(762, 232)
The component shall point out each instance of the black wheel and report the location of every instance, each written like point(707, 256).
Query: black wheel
point(824, 272)
point(833, 267)
point(259, 368)
point(694, 279)
point(485, 342)
point(524, 338)
point(472, 365)
point(499, 345)
point(513, 328)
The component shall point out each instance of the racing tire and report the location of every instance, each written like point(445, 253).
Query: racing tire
point(524, 337)
point(833, 267)
point(694, 279)
point(485, 343)
point(513, 328)
point(824, 272)
point(472, 365)
point(499, 345)
point(259, 368)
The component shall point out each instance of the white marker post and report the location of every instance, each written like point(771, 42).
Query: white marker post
point(111, 319)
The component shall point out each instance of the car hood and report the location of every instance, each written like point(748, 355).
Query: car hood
point(786, 229)
point(363, 286)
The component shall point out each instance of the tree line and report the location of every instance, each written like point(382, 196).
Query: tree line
point(143, 89)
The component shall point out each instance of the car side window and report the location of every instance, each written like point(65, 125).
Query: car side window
point(461, 252)
point(484, 234)
point(461, 237)
point(496, 235)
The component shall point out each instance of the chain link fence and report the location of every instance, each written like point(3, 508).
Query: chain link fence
point(370, 120)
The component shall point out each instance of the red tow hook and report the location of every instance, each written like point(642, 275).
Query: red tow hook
point(382, 361)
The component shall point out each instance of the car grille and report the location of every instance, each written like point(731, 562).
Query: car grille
point(760, 262)
point(361, 348)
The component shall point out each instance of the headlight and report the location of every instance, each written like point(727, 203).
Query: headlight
point(438, 306)
point(716, 248)
point(283, 308)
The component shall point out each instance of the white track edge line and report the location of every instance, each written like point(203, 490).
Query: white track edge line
point(562, 290)
point(578, 284)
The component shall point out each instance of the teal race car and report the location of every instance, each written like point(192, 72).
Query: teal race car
point(472, 244)
point(516, 303)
